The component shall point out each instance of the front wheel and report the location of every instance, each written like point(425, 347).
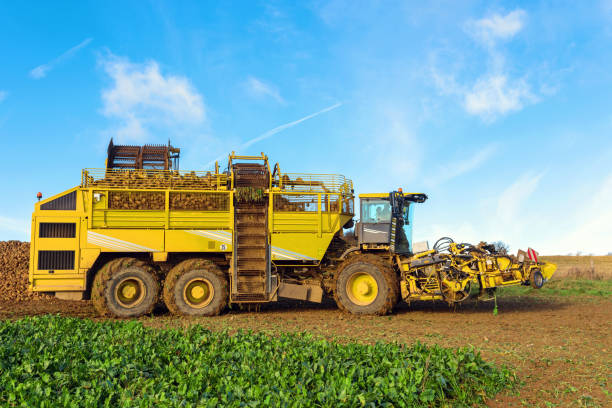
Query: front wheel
point(366, 286)
point(536, 280)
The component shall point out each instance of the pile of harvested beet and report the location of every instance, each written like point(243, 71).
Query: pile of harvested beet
point(14, 261)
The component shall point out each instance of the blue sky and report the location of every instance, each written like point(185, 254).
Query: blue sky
point(499, 111)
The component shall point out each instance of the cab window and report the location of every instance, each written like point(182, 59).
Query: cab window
point(375, 211)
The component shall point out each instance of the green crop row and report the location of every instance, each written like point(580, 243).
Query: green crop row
point(54, 361)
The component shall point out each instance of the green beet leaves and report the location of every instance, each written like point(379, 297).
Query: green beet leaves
point(54, 361)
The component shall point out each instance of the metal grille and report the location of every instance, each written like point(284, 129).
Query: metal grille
point(251, 175)
point(57, 230)
point(153, 179)
point(296, 202)
point(199, 201)
point(136, 200)
point(65, 202)
point(56, 260)
point(142, 157)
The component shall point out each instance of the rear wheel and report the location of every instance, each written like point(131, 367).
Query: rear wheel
point(196, 287)
point(125, 287)
point(366, 285)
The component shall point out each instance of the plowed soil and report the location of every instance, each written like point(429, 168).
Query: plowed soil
point(560, 347)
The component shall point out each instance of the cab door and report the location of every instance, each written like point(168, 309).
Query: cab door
point(375, 224)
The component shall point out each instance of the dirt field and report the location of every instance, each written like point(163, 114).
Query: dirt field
point(561, 348)
point(558, 339)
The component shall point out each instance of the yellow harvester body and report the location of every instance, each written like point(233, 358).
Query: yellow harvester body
point(164, 212)
point(140, 229)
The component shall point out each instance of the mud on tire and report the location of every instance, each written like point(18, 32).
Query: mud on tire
point(207, 275)
point(386, 281)
point(125, 287)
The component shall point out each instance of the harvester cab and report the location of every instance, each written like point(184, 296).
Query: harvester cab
point(386, 221)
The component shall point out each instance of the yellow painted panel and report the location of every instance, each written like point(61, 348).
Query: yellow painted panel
point(55, 284)
point(503, 262)
point(548, 269)
point(160, 256)
point(198, 240)
point(374, 195)
point(49, 244)
point(88, 257)
point(201, 219)
point(295, 222)
point(290, 247)
point(129, 219)
point(379, 195)
point(126, 240)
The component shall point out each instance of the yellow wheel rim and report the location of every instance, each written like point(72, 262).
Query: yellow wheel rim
point(130, 292)
point(362, 288)
point(198, 293)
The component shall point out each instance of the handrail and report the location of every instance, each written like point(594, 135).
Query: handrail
point(153, 179)
point(304, 182)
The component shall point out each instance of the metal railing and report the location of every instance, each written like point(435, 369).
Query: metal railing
point(153, 179)
point(313, 183)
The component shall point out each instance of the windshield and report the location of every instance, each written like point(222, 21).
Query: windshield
point(375, 211)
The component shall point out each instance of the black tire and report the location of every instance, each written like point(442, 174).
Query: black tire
point(536, 280)
point(371, 268)
point(200, 275)
point(125, 287)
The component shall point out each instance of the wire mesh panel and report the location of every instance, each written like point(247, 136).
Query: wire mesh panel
point(199, 201)
point(136, 200)
point(296, 202)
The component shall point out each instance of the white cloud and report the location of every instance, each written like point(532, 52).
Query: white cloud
point(458, 168)
point(494, 95)
point(494, 92)
point(511, 200)
point(141, 96)
point(257, 88)
point(3, 95)
point(497, 27)
point(42, 70)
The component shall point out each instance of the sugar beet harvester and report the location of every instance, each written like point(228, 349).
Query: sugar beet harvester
point(140, 229)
